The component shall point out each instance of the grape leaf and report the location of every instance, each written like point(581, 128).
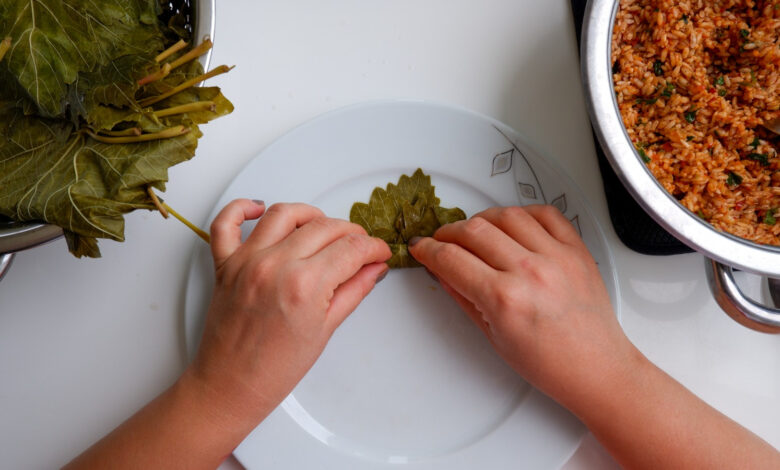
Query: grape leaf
point(402, 211)
point(53, 41)
point(114, 84)
point(76, 148)
point(221, 105)
point(53, 172)
point(49, 172)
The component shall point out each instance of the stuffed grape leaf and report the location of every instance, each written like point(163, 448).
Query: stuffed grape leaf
point(402, 211)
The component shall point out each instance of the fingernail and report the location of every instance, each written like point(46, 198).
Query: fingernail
point(414, 241)
point(259, 202)
point(382, 276)
point(433, 276)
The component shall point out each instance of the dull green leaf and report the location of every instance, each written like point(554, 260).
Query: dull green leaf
point(49, 172)
point(53, 41)
point(401, 212)
point(115, 85)
point(92, 161)
point(221, 105)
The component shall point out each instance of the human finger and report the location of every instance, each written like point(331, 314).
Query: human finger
point(469, 308)
point(279, 221)
point(226, 227)
point(521, 226)
point(316, 234)
point(453, 264)
point(491, 244)
point(344, 257)
point(555, 223)
point(350, 293)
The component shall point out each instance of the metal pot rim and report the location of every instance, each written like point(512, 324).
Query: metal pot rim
point(667, 211)
point(28, 235)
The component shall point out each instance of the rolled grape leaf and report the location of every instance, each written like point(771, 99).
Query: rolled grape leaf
point(402, 211)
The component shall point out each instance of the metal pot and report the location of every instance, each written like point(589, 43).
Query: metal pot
point(724, 251)
point(15, 236)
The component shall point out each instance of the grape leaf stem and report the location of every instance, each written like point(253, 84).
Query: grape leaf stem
point(5, 44)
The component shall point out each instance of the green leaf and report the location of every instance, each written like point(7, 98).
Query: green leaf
point(192, 95)
point(401, 212)
point(378, 216)
point(53, 41)
point(417, 186)
point(401, 257)
point(658, 68)
point(85, 169)
point(447, 216)
point(733, 179)
point(416, 220)
point(769, 218)
point(643, 155)
point(761, 158)
point(52, 172)
point(114, 84)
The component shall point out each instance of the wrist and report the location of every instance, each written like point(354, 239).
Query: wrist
point(228, 406)
point(607, 384)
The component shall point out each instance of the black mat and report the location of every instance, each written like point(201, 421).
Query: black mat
point(634, 227)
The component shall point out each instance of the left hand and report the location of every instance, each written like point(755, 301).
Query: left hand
point(278, 298)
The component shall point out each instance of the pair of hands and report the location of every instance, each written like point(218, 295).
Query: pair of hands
point(522, 275)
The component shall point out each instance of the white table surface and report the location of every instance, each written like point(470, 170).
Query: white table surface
point(85, 343)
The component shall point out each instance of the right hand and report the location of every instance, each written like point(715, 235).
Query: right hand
point(527, 280)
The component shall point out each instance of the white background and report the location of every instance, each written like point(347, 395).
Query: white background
point(85, 343)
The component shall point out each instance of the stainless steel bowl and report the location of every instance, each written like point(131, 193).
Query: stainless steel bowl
point(16, 236)
point(726, 251)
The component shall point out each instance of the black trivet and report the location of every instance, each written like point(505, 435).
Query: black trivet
point(633, 226)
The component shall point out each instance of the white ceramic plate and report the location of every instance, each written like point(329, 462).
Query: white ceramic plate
point(407, 380)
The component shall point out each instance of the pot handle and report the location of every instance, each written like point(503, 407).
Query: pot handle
point(742, 309)
point(5, 263)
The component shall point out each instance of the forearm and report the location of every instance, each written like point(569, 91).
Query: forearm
point(646, 419)
point(190, 425)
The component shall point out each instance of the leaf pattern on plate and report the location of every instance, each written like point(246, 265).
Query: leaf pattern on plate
point(560, 203)
point(502, 162)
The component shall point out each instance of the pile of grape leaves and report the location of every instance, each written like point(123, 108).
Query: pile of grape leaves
point(97, 101)
point(401, 212)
